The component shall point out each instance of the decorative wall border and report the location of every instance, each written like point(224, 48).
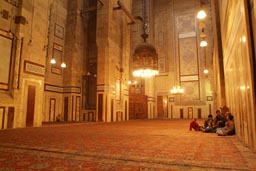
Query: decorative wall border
point(34, 68)
point(60, 89)
point(53, 88)
point(72, 89)
point(59, 31)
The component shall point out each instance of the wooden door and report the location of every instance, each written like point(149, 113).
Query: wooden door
point(30, 106)
point(66, 109)
point(112, 110)
point(181, 114)
point(160, 107)
point(100, 107)
point(10, 117)
point(2, 118)
point(126, 112)
point(199, 113)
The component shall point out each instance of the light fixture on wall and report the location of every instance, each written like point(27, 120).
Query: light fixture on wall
point(53, 61)
point(205, 69)
point(145, 58)
point(63, 65)
point(177, 90)
point(201, 13)
point(92, 70)
point(203, 42)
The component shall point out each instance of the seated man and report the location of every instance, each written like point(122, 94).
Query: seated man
point(208, 125)
point(219, 120)
point(58, 118)
point(208, 122)
point(229, 128)
point(194, 125)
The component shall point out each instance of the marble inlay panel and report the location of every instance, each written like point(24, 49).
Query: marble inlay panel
point(5, 58)
point(188, 56)
point(191, 91)
point(34, 68)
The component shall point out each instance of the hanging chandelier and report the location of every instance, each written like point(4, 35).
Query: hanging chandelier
point(145, 61)
point(145, 58)
point(177, 90)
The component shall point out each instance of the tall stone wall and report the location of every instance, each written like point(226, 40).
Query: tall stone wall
point(239, 67)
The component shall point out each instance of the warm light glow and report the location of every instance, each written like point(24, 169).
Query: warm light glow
point(243, 39)
point(206, 71)
point(130, 82)
point(242, 88)
point(203, 43)
point(53, 61)
point(63, 65)
point(201, 14)
point(177, 90)
point(145, 73)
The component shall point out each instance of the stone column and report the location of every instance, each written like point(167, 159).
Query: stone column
point(113, 46)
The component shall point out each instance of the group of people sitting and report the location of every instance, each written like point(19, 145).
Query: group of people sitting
point(222, 124)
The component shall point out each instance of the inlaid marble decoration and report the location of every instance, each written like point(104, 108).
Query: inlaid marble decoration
point(53, 88)
point(59, 31)
point(191, 91)
point(5, 58)
point(185, 23)
point(161, 39)
point(72, 90)
point(188, 56)
point(34, 68)
point(161, 65)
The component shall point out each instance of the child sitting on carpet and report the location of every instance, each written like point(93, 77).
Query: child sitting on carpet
point(194, 125)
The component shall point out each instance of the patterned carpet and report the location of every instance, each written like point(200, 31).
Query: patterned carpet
point(138, 145)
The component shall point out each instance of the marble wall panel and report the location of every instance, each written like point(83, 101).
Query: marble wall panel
point(238, 69)
point(5, 64)
point(188, 56)
point(191, 91)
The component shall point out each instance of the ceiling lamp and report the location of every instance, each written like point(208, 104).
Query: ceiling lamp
point(145, 58)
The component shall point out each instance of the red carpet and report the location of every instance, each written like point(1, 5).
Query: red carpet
point(141, 145)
